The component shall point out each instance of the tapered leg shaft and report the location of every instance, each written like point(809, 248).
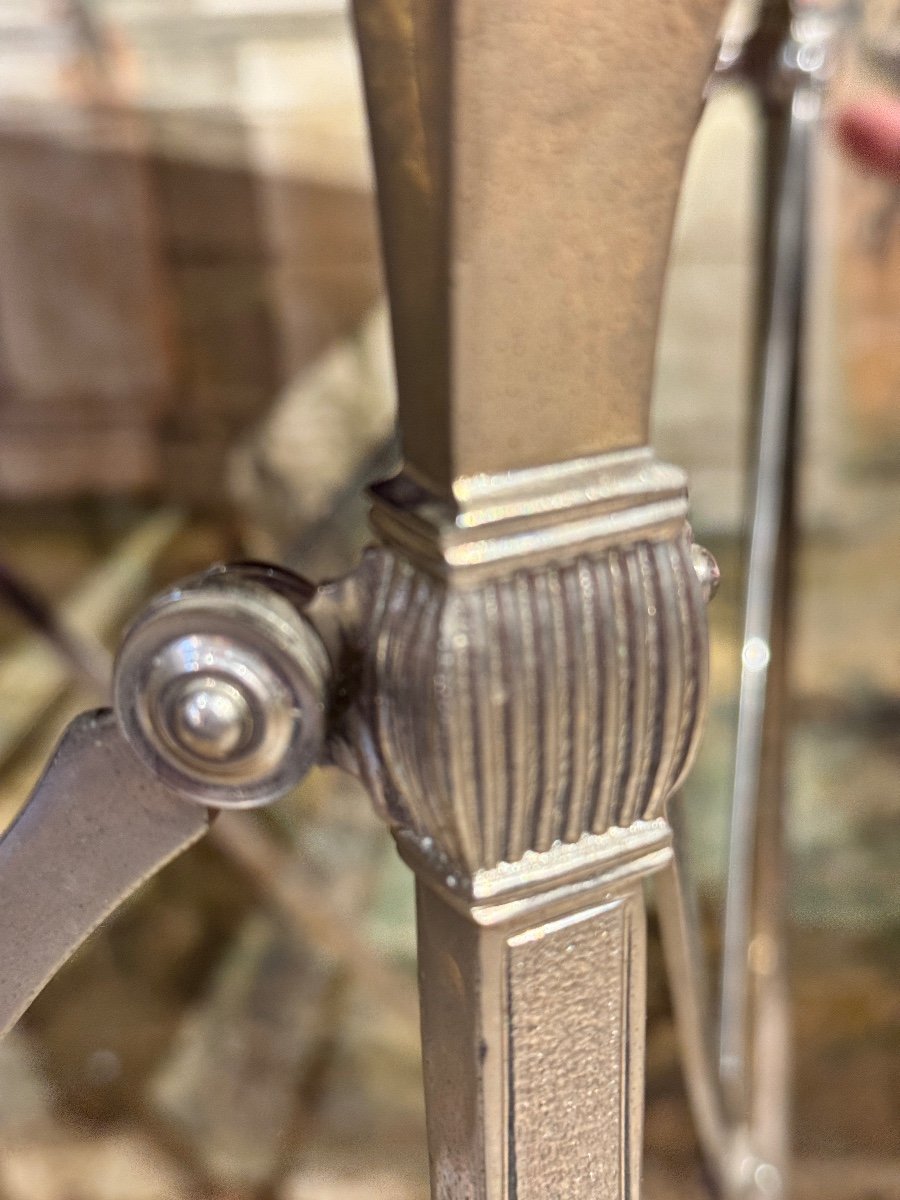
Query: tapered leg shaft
point(533, 1011)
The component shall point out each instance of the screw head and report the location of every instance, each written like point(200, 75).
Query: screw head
point(218, 713)
point(210, 718)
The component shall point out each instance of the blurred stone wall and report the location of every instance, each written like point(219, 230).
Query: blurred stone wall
point(185, 222)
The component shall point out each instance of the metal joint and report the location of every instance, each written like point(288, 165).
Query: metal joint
point(221, 686)
point(519, 677)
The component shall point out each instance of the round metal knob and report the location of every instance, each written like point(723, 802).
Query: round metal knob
point(221, 688)
point(210, 718)
point(707, 571)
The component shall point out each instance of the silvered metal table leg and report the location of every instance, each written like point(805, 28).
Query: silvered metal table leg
point(753, 935)
point(518, 670)
point(531, 1088)
point(529, 725)
point(531, 836)
point(534, 663)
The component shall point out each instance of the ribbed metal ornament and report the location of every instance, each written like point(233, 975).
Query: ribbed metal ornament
point(528, 710)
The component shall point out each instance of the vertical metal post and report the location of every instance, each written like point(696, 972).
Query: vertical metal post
point(533, 657)
point(754, 1042)
point(526, 1082)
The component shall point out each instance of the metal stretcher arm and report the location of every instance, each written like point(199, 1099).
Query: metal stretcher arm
point(97, 826)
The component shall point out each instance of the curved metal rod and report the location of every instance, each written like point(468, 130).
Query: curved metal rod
point(753, 911)
point(88, 658)
point(739, 1092)
point(688, 985)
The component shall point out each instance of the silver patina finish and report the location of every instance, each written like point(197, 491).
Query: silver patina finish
point(532, 688)
point(534, 651)
point(517, 671)
point(221, 687)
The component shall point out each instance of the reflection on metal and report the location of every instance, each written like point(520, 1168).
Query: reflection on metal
point(518, 671)
point(527, 728)
point(520, 711)
point(97, 825)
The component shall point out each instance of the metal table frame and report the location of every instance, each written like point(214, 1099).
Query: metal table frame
point(517, 670)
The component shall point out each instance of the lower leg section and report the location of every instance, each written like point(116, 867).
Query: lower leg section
point(533, 1010)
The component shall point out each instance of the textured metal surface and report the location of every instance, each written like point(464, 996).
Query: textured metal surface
point(529, 154)
point(534, 708)
point(496, 522)
point(521, 726)
point(530, 1090)
point(97, 825)
point(574, 1076)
